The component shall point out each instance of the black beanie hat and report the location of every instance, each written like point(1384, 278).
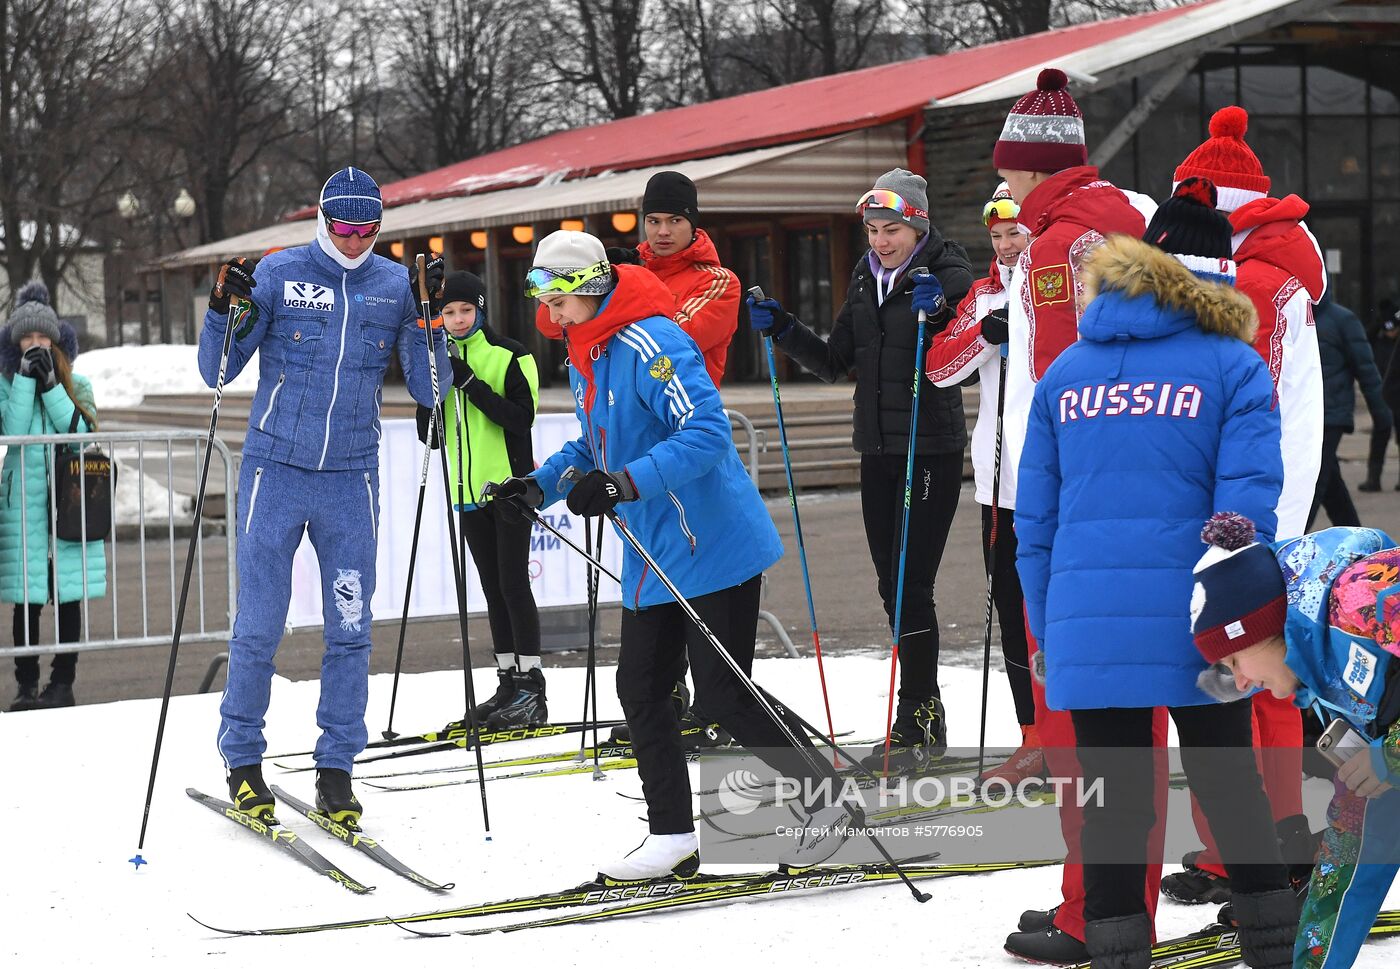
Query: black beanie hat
point(672, 193)
point(464, 286)
point(1187, 224)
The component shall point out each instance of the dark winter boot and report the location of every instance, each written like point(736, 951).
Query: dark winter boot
point(55, 695)
point(250, 794)
point(505, 689)
point(1195, 886)
point(918, 737)
point(26, 698)
point(1121, 943)
point(526, 708)
point(1268, 924)
point(1037, 920)
point(335, 799)
point(1370, 484)
point(1050, 946)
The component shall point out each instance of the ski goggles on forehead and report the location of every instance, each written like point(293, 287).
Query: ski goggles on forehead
point(883, 198)
point(1006, 209)
point(541, 282)
point(345, 230)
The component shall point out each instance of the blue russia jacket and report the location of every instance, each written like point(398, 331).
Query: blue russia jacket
point(1160, 415)
point(648, 407)
point(324, 336)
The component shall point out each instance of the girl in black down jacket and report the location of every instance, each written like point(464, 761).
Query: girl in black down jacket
point(873, 340)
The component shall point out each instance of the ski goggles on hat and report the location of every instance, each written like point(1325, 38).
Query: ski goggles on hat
point(541, 281)
point(883, 198)
point(365, 230)
point(1005, 209)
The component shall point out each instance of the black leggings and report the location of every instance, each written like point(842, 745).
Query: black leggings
point(70, 630)
point(1218, 756)
point(932, 504)
point(655, 641)
point(1010, 605)
point(500, 547)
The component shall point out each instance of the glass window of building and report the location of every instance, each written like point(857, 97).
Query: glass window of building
point(1270, 80)
point(809, 277)
point(1336, 158)
point(750, 260)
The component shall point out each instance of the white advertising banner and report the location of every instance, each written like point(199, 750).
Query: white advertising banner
point(557, 573)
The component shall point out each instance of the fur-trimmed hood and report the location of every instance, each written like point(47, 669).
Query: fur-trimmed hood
point(1154, 295)
point(10, 353)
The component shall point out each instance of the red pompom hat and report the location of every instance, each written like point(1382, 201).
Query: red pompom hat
point(1044, 131)
point(1227, 161)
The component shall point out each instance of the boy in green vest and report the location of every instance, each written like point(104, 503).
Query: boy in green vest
point(489, 416)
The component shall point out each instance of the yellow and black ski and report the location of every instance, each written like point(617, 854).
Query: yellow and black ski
point(284, 838)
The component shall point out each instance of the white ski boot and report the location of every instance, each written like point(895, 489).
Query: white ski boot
point(659, 856)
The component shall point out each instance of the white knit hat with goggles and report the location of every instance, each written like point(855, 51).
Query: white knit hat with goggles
point(568, 262)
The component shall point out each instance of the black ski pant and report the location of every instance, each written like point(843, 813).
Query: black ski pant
point(1380, 443)
point(933, 501)
point(70, 629)
point(500, 547)
point(999, 558)
point(1332, 493)
point(1218, 755)
point(655, 641)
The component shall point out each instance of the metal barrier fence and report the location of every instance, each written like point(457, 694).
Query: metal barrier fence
point(145, 549)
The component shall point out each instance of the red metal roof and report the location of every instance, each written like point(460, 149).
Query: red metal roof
point(794, 112)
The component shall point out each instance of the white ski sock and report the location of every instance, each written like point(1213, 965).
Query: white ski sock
point(527, 663)
point(505, 661)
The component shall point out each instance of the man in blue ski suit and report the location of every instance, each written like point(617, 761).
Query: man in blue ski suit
point(325, 319)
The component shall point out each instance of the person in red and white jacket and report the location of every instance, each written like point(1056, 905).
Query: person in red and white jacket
point(974, 344)
point(1068, 210)
point(1282, 272)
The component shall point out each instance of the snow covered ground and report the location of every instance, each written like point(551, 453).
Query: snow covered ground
point(76, 779)
point(123, 376)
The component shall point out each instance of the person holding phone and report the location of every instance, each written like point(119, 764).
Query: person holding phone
point(1317, 618)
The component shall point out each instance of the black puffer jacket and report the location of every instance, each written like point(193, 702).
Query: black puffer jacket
point(876, 343)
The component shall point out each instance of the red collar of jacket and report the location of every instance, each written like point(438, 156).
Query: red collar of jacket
point(700, 251)
point(1079, 195)
point(638, 295)
point(1277, 238)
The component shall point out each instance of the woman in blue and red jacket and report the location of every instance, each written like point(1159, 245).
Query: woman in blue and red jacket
point(1158, 416)
point(657, 450)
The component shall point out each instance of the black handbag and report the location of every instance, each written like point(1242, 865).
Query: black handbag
point(83, 483)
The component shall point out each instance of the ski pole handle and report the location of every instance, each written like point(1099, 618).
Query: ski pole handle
point(422, 262)
point(757, 293)
point(920, 271)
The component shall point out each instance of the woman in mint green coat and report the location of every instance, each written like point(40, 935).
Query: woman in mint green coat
point(40, 394)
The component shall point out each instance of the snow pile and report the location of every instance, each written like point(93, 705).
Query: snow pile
point(133, 490)
point(124, 376)
point(80, 798)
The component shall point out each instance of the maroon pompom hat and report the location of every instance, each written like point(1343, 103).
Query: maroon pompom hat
point(1044, 131)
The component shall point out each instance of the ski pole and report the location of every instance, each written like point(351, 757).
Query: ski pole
point(757, 293)
point(819, 766)
point(590, 680)
point(388, 731)
point(904, 525)
point(991, 565)
point(137, 860)
point(464, 444)
point(533, 515)
point(458, 567)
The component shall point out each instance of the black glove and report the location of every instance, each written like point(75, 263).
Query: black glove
point(422, 416)
point(235, 278)
point(462, 373)
point(37, 362)
point(599, 492)
point(435, 269)
point(514, 495)
point(627, 257)
point(994, 327)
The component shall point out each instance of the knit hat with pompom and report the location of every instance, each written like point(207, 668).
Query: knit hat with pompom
point(33, 313)
point(1044, 131)
point(1240, 598)
point(1227, 161)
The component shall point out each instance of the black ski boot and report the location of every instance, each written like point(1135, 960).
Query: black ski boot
point(505, 689)
point(250, 794)
point(1120, 943)
point(1268, 925)
point(1051, 946)
point(918, 737)
point(1195, 886)
point(1037, 919)
point(55, 695)
point(335, 799)
point(526, 708)
point(26, 698)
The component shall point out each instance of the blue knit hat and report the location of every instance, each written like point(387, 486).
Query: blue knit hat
point(1240, 598)
point(350, 195)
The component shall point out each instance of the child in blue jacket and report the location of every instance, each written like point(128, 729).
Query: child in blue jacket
point(657, 450)
point(1159, 415)
point(1318, 618)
